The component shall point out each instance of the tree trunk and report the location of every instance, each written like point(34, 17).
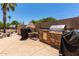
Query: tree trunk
point(4, 16)
point(16, 28)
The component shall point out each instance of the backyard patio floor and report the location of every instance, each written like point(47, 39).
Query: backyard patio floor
point(12, 46)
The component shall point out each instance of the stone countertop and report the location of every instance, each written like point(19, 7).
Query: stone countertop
point(55, 32)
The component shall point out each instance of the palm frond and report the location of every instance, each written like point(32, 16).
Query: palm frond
point(12, 6)
point(2, 4)
point(8, 9)
point(9, 17)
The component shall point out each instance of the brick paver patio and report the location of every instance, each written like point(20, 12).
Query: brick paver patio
point(12, 46)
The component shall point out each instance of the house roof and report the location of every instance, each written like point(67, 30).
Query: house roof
point(71, 23)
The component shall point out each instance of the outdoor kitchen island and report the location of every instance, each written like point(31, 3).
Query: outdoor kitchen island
point(50, 37)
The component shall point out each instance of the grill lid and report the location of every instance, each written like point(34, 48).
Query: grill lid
point(57, 27)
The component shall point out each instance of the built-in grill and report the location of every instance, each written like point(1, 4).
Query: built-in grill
point(52, 36)
point(57, 28)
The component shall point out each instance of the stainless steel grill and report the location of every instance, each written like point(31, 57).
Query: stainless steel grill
point(58, 28)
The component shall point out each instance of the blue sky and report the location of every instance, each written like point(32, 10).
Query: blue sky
point(35, 11)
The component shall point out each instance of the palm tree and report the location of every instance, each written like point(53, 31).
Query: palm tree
point(6, 7)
